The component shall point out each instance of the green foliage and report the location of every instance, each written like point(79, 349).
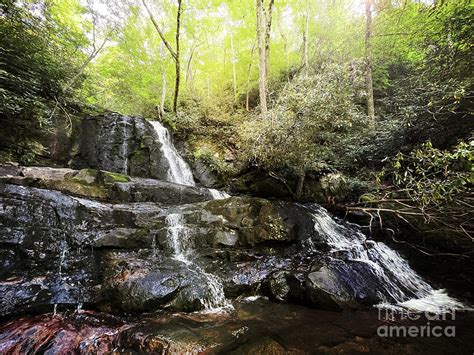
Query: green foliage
point(310, 117)
point(432, 176)
point(35, 69)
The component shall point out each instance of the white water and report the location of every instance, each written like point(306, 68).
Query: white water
point(396, 277)
point(124, 149)
point(179, 171)
point(218, 195)
point(179, 236)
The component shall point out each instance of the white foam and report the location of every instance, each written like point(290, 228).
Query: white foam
point(179, 171)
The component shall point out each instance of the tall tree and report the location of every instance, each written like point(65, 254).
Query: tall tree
point(262, 71)
point(368, 56)
point(177, 60)
point(174, 53)
point(163, 80)
point(264, 26)
point(268, 28)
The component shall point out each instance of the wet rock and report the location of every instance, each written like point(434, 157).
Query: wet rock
point(106, 185)
point(269, 187)
point(277, 286)
point(204, 173)
point(166, 193)
point(341, 285)
point(325, 290)
point(142, 256)
point(144, 282)
point(123, 144)
point(257, 220)
point(228, 238)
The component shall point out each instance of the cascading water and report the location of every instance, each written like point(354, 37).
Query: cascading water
point(218, 195)
point(124, 149)
point(179, 171)
point(63, 251)
point(397, 279)
point(179, 236)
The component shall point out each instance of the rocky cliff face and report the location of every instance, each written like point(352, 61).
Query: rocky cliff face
point(122, 144)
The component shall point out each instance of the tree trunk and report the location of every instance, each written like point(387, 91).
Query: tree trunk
point(368, 54)
point(268, 28)
point(177, 60)
point(189, 71)
point(89, 59)
point(285, 47)
point(174, 54)
point(299, 186)
point(262, 82)
point(163, 81)
point(163, 92)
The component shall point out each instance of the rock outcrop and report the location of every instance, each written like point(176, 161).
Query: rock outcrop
point(123, 244)
point(123, 144)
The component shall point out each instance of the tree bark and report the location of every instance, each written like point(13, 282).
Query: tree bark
point(189, 71)
point(368, 54)
point(268, 28)
point(262, 82)
point(177, 61)
point(174, 54)
point(299, 186)
point(163, 83)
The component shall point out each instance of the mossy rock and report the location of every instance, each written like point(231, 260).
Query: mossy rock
point(256, 220)
point(85, 176)
point(76, 188)
point(111, 178)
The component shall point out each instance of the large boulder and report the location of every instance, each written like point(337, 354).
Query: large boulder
point(123, 144)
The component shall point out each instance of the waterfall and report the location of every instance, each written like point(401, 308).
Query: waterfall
point(218, 195)
point(405, 287)
point(178, 234)
point(180, 238)
point(179, 171)
point(124, 148)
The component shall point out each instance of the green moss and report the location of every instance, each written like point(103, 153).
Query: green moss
point(85, 177)
point(76, 188)
point(110, 177)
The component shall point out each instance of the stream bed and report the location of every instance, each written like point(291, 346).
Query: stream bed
point(251, 326)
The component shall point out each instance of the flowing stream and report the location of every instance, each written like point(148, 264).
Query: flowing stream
point(180, 238)
point(406, 288)
point(399, 284)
